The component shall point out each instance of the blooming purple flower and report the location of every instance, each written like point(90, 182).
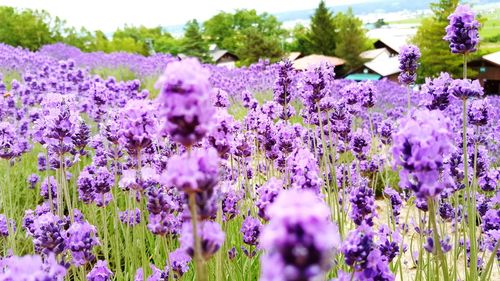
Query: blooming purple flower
point(304, 170)
point(137, 125)
point(419, 148)
point(32, 180)
point(267, 193)
point(81, 238)
point(251, 229)
point(49, 235)
point(465, 88)
point(195, 172)
point(300, 239)
point(179, 261)
point(478, 112)
point(100, 272)
point(408, 63)
point(462, 32)
point(362, 204)
point(211, 236)
point(130, 217)
point(4, 225)
point(438, 91)
point(31, 268)
point(185, 101)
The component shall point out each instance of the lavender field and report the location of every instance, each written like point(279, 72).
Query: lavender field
point(124, 167)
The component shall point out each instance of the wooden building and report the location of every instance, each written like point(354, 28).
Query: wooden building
point(488, 72)
point(224, 58)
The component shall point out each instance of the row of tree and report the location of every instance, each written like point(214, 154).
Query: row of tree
point(245, 32)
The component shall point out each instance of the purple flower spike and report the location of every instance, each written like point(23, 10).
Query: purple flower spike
point(462, 32)
point(408, 63)
point(211, 235)
point(419, 148)
point(100, 272)
point(185, 101)
point(300, 239)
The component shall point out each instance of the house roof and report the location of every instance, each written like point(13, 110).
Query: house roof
point(217, 54)
point(384, 66)
point(493, 58)
point(392, 43)
point(313, 60)
point(293, 56)
point(371, 54)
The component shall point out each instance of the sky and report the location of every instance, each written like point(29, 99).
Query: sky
point(107, 15)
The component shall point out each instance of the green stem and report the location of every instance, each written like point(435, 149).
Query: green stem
point(437, 243)
point(200, 269)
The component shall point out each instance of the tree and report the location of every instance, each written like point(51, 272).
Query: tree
point(193, 43)
point(322, 34)
point(300, 41)
point(436, 54)
point(379, 23)
point(28, 28)
point(234, 32)
point(352, 39)
point(257, 46)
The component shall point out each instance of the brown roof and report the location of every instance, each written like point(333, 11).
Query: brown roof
point(313, 60)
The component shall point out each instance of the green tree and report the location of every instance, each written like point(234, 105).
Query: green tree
point(436, 54)
point(257, 46)
point(300, 41)
point(234, 32)
point(193, 43)
point(352, 39)
point(322, 34)
point(27, 28)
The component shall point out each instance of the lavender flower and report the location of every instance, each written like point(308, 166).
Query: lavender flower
point(33, 180)
point(81, 238)
point(185, 101)
point(408, 63)
point(462, 32)
point(100, 272)
point(194, 173)
point(438, 91)
point(465, 88)
point(478, 112)
point(211, 236)
point(300, 240)
point(179, 261)
point(130, 217)
point(363, 204)
point(137, 126)
point(31, 268)
point(419, 147)
point(4, 225)
point(251, 229)
point(304, 169)
point(48, 234)
point(267, 193)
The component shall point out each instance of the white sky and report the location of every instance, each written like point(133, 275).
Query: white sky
point(107, 15)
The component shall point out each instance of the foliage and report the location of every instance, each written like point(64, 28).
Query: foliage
point(436, 56)
point(323, 31)
point(239, 32)
point(193, 44)
point(27, 28)
point(352, 39)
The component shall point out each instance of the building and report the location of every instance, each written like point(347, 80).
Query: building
point(392, 44)
point(314, 60)
point(293, 56)
point(382, 62)
point(488, 72)
point(224, 58)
